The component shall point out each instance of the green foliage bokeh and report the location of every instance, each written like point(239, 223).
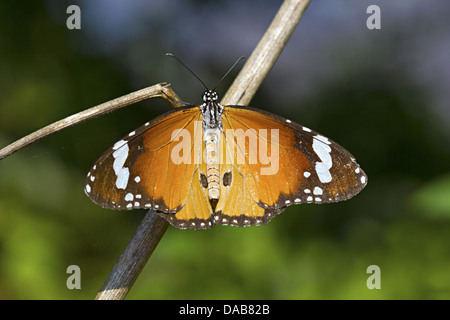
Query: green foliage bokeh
point(400, 222)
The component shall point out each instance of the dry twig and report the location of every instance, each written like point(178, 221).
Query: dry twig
point(161, 90)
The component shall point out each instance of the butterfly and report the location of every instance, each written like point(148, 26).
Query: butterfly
point(198, 166)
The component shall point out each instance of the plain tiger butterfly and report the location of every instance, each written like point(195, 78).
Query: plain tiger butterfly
point(209, 164)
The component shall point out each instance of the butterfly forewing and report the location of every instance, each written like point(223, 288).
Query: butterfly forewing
point(137, 171)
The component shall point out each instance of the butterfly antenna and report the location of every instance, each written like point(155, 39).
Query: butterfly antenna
point(173, 56)
point(229, 70)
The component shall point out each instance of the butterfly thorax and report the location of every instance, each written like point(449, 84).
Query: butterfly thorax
point(212, 124)
point(211, 111)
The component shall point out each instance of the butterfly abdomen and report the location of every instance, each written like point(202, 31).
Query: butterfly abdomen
point(212, 139)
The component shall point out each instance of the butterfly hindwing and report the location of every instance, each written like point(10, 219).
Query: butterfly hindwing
point(197, 211)
point(236, 205)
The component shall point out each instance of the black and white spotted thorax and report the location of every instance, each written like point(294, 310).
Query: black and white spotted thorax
point(211, 110)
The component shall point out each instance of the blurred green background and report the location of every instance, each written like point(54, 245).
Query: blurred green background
point(382, 94)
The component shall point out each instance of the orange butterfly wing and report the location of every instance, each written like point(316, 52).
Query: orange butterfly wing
point(283, 163)
point(136, 171)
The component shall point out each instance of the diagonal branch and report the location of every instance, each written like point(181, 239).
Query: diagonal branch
point(157, 91)
point(266, 53)
point(152, 228)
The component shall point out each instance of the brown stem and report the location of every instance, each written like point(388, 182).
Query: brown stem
point(157, 91)
point(133, 258)
point(266, 53)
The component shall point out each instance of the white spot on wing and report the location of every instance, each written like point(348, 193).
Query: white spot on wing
point(322, 138)
point(323, 152)
point(318, 191)
point(129, 197)
point(117, 145)
point(323, 172)
point(120, 156)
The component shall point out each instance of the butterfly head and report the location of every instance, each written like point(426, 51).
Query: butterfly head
point(210, 96)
